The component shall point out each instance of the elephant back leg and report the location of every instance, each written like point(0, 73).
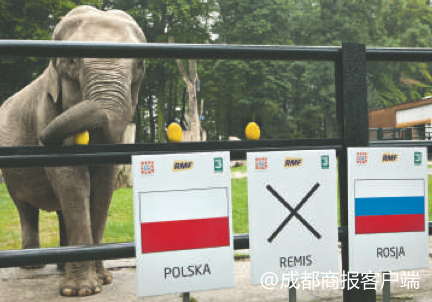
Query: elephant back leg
point(24, 201)
point(102, 188)
point(29, 218)
point(72, 187)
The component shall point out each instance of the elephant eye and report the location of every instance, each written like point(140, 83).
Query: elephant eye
point(73, 62)
point(140, 68)
point(69, 66)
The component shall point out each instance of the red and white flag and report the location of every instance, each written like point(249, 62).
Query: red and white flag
point(184, 220)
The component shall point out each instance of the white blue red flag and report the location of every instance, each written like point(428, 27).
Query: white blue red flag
point(389, 206)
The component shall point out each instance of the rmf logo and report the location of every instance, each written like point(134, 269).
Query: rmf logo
point(291, 162)
point(180, 165)
point(389, 157)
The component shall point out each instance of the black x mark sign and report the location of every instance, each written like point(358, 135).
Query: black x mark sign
point(294, 212)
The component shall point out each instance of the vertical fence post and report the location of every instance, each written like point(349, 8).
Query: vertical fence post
point(380, 134)
point(386, 287)
point(292, 293)
point(409, 133)
point(186, 297)
point(352, 118)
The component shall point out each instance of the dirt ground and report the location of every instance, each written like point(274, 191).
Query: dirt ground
point(17, 284)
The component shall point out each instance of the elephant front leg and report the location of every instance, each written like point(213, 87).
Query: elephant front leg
point(72, 187)
point(102, 188)
point(63, 237)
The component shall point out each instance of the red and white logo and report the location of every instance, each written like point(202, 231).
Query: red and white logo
point(147, 167)
point(261, 163)
point(362, 157)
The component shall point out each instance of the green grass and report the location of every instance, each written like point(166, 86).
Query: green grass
point(10, 231)
point(239, 196)
point(120, 225)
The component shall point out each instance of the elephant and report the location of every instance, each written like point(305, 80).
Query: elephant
point(71, 96)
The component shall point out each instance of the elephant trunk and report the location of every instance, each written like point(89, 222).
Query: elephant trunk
point(106, 86)
point(106, 108)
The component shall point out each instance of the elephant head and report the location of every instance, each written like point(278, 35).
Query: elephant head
point(91, 94)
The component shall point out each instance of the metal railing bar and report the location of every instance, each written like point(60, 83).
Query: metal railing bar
point(14, 258)
point(398, 54)
point(401, 143)
point(168, 147)
point(119, 158)
point(38, 156)
point(107, 251)
point(45, 48)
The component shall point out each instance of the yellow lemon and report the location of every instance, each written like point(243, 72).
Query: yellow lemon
point(174, 133)
point(81, 138)
point(252, 131)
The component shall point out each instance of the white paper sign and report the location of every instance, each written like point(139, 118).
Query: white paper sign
point(182, 210)
point(292, 213)
point(387, 205)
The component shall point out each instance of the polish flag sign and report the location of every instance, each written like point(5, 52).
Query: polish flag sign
point(389, 206)
point(184, 220)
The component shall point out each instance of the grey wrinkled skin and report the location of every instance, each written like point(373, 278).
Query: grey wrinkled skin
point(71, 96)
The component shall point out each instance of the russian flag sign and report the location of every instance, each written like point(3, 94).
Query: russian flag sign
point(387, 207)
point(182, 213)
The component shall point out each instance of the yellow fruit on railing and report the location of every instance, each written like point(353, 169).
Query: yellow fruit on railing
point(81, 138)
point(252, 131)
point(174, 133)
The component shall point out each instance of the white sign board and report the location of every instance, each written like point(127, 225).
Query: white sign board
point(182, 210)
point(292, 213)
point(387, 206)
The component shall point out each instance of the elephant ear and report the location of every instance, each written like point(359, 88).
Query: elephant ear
point(53, 83)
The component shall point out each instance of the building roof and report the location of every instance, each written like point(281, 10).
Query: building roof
point(386, 118)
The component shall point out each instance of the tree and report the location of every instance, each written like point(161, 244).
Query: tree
point(375, 23)
point(405, 24)
point(190, 79)
point(287, 99)
point(27, 20)
point(187, 21)
point(250, 90)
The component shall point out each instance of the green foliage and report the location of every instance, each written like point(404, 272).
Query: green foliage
point(161, 96)
point(245, 91)
point(26, 20)
point(287, 99)
point(297, 99)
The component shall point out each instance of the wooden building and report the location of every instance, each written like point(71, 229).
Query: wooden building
point(415, 115)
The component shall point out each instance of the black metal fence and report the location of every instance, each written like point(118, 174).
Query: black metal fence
point(352, 128)
point(407, 133)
